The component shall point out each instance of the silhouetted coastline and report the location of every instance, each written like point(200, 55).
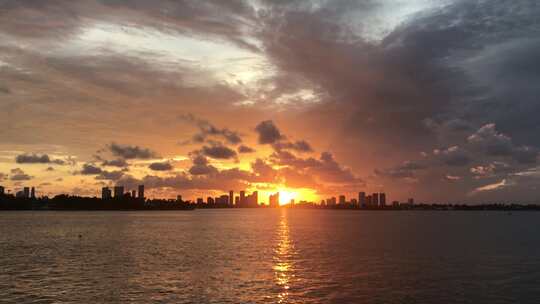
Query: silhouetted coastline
point(67, 202)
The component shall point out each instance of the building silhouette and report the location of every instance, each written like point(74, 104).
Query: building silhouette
point(375, 199)
point(2, 190)
point(342, 199)
point(33, 193)
point(382, 199)
point(106, 193)
point(362, 199)
point(273, 200)
point(141, 192)
point(118, 191)
point(231, 198)
point(26, 192)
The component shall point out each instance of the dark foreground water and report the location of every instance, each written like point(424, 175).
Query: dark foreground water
point(269, 256)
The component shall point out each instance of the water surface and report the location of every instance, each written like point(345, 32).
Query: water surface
point(269, 256)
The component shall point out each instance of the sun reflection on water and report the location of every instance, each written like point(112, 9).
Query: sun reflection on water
point(283, 259)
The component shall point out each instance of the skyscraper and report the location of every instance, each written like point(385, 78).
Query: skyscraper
point(375, 199)
point(342, 199)
point(33, 193)
point(273, 200)
point(141, 192)
point(231, 198)
point(362, 199)
point(105, 193)
point(26, 192)
point(2, 190)
point(382, 199)
point(118, 191)
point(242, 198)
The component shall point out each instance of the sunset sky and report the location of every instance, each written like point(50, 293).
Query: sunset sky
point(436, 100)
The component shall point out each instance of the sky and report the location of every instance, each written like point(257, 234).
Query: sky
point(431, 99)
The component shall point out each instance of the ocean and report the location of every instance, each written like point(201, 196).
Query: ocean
point(269, 256)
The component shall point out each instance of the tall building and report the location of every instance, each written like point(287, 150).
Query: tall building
point(273, 200)
point(362, 199)
point(382, 199)
point(242, 197)
point(26, 192)
point(223, 200)
point(179, 198)
point(342, 199)
point(2, 190)
point(375, 199)
point(210, 200)
point(118, 191)
point(141, 192)
point(231, 198)
point(33, 193)
point(133, 193)
point(369, 201)
point(106, 193)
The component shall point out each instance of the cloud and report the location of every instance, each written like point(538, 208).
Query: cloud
point(110, 175)
point(492, 170)
point(18, 174)
point(131, 152)
point(90, 169)
point(207, 129)
point(36, 159)
point(491, 187)
point(268, 132)
point(246, 149)
point(490, 141)
point(161, 166)
point(201, 166)
point(218, 151)
point(299, 146)
point(120, 162)
point(453, 156)
point(406, 170)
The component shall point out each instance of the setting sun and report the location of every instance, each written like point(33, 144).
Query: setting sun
point(285, 196)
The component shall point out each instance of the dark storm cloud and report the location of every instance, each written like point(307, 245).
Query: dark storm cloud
point(268, 132)
point(207, 129)
point(201, 166)
point(37, 159)
point(405, 170)
point(90, 169)
point(246, 149)
point(217, 150)
point(221, 180)
point(453, 156)
point(326, 168)
point(120, 162)
point(161, 166)
point(131, 152)
point(110, 175)
point(18, 174)
point(299, 146)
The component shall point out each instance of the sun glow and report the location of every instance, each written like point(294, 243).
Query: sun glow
point(286, 195)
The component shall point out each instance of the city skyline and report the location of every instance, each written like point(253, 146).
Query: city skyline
point(435, 100)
